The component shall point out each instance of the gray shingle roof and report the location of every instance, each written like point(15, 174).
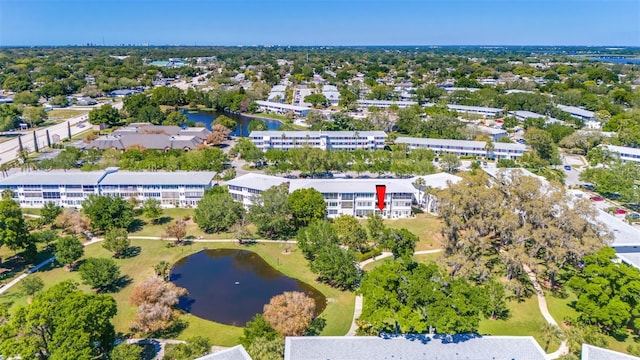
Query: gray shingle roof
point(590, 352)
point(55, 177)
point(235, 353)
point(158, 178)
point(413, 347)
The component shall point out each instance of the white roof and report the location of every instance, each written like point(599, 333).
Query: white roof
point(282, 106)
point(529, 114)
point(590, 352)
point(489, 130)
point(411, 347)
point(55, 177)
point(234, 353)
point(439, 180)
point(466, 143)
point(278, 88)
point(473, 108)
point(386, 102)
point(316, 134)
point(353, 185)
point(257, 181)
point(623, 150)
point(576, 110)
point(158, 178)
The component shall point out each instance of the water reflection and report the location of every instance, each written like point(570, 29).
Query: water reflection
point(206, 117)
point(231, 286)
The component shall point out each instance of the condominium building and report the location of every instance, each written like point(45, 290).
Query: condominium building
point(522, 115)
point(325, 140)
point(577, 112)
point(70, 188)
point(480, 110)
point(332, 94)
point(466, 148)
point(356, 197)
point(280, 108)
point(624, 153)
point(385, 103)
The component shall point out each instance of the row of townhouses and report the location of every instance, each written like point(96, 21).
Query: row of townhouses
point(625, 154)
point(356, 197)
point(70, 188)
point(325, 140)
point(496, 150)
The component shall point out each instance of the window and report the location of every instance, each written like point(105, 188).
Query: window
point(346, 196)
point(347, 205)
point(332, 204)
point(75, 195)
point(51, 195)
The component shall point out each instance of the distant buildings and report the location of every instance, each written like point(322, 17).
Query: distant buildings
point(624, 153)
point(466, 148)
point(151, 136)
point(325, 140)
point(480, 110)
point(279, 108)
point(494, 133)
point(356, 197)
point(70, 188)
point(123, 92)
point(171, 63)
point(278, 94)
point(385, 103)
point(332, 94)
point(522, 115)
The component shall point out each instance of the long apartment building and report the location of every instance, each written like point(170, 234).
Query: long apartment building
point(624, 153)
point(70, 188)
point(280, 108)
point(325, 140)
point(356, 197)
point(465, 148)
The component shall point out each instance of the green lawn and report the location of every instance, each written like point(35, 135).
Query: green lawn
point(425, 226)
point(65, 113)
point(525, 319)
point(338, 313)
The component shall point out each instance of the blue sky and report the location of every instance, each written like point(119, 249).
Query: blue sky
point(320, 22)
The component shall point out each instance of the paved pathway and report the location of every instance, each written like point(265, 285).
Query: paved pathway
point(159, 345)
point(542, 304)
point(357, 311)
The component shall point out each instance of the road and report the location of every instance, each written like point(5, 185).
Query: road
point(58, 132)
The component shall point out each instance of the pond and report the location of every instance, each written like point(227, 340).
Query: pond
point(230, 286)
point(206, 117)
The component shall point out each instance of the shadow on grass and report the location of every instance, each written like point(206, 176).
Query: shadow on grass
point(132, 251)
point(136, 225)
point(162, 220)
point(20, 262)
point(172, 332)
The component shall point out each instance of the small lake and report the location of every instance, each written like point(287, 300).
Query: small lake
point(206, 117)
point(617, 60)
point(230, 286)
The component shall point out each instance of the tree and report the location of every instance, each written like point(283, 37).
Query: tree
point(68, 250)
point(217, 211)
point(247, 150)
point(60, 100)
point(117, 241)
point(350, 232)
point(449, 162)
point(124, 351)
point(34, 115)
point(107, 212)
point(496, 305)
point(50, 212)
point(177, 230)
point(270, 213)
point(318, 235)
point(72, 222)
point(162, 269)
point(100, 273)
point(375, 228)
point(550, 333)
point(336, 267)
point(290, 313)
point(155, 299)
point(26, 98)
point(256, 328)
point(405, 297)
point(219, 134)
point(195, 348)
point(316, 100)
point(257, 125)
point(106, 114)
point(265, 349)
point(401, 242)
point(175, 118)
point(60, 323)
point(306, 205)
point(13, 229)
point(542, 143)
point(225, 121)
point(31, 285)
point(151, 209)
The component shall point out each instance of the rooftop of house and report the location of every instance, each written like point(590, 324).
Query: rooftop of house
point(590, 352)
point(55, 177)
point(234, 353)
point(158, 178)
point(256, 181)
point(316, 134)
point(412, 347)
point(438, 181)
point(576, 110)
point(325, 186)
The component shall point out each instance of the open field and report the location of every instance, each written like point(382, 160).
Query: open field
point(338, 313)
point(425, 226)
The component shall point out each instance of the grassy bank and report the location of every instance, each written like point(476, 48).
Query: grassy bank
point(337, 314)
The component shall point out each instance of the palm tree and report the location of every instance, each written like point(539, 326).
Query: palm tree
point(26, 162)
point(550, 333)
point(489, 147)
point(162, 269)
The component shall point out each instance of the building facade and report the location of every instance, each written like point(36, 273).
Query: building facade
point(624, 153)
point(280, 108)
point(325, 140)
point(71, 188)
point(466, 148)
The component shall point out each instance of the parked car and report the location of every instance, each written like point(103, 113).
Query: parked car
point(567, 167)
point(589, 187)
point(290, 177)
point(633, 206)
point(634, 216)
point(620, 211)
point(597, 198)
